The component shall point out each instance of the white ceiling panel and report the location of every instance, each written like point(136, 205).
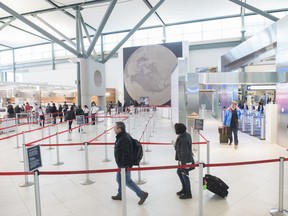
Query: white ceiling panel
point(125, 15)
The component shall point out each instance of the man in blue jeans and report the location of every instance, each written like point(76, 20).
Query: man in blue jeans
point(231, 119)
point(123, 153)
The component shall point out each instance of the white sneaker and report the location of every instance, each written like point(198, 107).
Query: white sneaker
point(236, 146)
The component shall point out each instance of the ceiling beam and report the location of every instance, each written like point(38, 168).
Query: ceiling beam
point(7, 23)
point(54, 29)
point(69, 14)
point(256, 10)
point(37, 28)
point(158, 16)
point(101, 27)
point(61, 8)
point(112, 52)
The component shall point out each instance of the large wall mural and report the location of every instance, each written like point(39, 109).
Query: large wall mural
point(147, 72)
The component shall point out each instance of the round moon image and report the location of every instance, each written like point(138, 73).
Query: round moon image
point(147, 73)
point(97, 78)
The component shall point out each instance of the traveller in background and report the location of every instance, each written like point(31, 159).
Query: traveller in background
point(65, 108)
point(41, 115)
point(94, 110)
point(17, 110)
point(28, 111)
point(184, 156)
point(48, 110)
point(79, 112)
point(123, 153)
point(54, 112)
point(60, 112)
point(10, 111)
point(119, 107)
point(36, 109)
point(70, 116)
point(231, 118)
point(86, 114)
point(260, 108)
point(109, 107)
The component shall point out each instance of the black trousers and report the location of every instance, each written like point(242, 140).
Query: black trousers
point(233, 129)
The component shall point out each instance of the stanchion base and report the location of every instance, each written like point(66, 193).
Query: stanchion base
point(140, 181)
point(50, 148)
point(26, 184)
point(81, 149)
point(58, 163)
point(145, 163)
point(69, 139)
point(276, 212)
point(17, 147)
point(106, 160)
point(148, 150)
point(87, 182)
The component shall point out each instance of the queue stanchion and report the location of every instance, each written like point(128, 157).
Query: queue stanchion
point(87, 181)
point(69, 134)
point(106, 149)
point(17, 137)
point(26, 182)
point(144, 162)
point(123, 191)
point(147, 140)
point(140, 180)
point(42, 133)
point(37, 193)
point(58, 163)
point(49, 134)
point(262, 134)
point(208, 156)
point(81, 147)
point(280, 211)
point(200, 199)
point(105, 121)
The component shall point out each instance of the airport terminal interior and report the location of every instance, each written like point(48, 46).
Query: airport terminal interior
point(163, 63)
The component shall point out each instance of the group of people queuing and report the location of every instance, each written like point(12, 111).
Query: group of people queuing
point(50, 112)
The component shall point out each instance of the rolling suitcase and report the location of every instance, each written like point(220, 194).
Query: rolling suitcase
point(223, 134)
point(215, 185)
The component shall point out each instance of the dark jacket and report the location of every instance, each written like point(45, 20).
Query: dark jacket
point(183, 148)
point(123, 150)
point(79, 111)
point(70, 115)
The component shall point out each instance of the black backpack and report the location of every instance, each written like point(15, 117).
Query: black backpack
point(137, 152)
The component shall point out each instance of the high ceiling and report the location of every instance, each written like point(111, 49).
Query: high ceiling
point(60, 15)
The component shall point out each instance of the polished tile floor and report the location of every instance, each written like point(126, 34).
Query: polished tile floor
point(253, 188)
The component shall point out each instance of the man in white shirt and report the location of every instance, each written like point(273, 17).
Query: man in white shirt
point(94, 110)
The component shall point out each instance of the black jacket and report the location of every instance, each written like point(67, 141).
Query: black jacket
point(123, 150)
point(183, 148)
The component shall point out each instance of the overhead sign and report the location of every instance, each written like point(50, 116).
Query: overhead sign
point(34, 158)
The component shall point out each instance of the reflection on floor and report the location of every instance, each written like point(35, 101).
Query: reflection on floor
point(253, 188)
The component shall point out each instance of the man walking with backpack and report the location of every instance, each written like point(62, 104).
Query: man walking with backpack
point(123, 153)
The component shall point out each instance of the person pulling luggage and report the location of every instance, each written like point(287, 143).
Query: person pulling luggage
point(184, 155)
